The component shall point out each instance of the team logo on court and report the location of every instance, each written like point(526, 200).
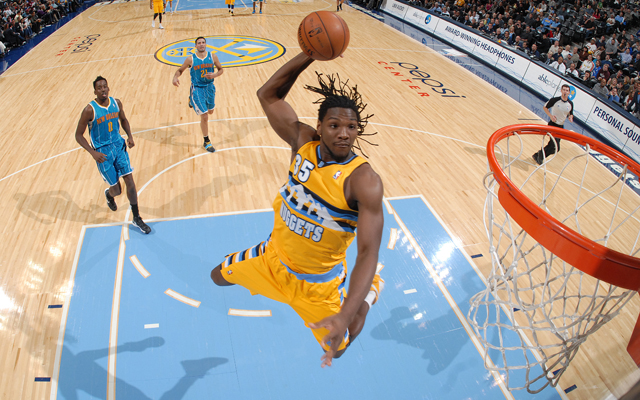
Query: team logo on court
point(232, 51)
point(427, 19)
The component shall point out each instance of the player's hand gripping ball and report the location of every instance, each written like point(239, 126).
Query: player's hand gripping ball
point(323, 35)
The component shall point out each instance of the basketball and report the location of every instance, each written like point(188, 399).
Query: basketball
point(323, 35)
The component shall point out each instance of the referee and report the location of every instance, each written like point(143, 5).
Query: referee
point(558, 109)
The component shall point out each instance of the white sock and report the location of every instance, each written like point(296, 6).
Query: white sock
point(371, 296)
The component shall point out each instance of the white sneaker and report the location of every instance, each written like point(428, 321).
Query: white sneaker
point(160, 26)
point(153, 24)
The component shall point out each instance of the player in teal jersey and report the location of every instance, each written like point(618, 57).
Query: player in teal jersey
point(103, 116)
point(254, 6)
point(203, 92)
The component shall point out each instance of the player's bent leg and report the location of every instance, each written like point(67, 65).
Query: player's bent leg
point(115, 190)
point(204, 124)
point(318, 299)
point(110, 193)
point(361, 315)
point(358, 321)
point(217, 278)
point(355, 327)
point(253, 269)
point(132, 193)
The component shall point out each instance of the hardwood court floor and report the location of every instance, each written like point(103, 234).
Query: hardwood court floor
point(429, 145)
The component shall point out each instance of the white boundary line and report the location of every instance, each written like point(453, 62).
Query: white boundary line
point(145, 130)
point(148, 55)
point(136, 263)
point(213, 14)
point(249, 313)
point(135, 133)
point(70, 65)
point(393, 237)
point(182, 298)
point(65, 313)
point(115, 314)
point(115, 307)
point(387, 205)
point(454, 306)
point(480, 274)
point(221, 214)
point(237, 119)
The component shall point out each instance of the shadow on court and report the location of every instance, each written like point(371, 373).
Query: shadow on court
point(80, 373)
point(45, 207)
point(440, 344)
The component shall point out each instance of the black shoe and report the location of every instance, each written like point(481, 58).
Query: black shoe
point(111, 202)
point(209, 147)
point(538, 158)
point(137, 221)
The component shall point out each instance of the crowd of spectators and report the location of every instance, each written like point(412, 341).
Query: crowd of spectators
point(23, 19)
point(596, 43)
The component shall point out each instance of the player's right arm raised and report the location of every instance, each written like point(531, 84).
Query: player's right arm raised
point(85, 118)
point(272, 94)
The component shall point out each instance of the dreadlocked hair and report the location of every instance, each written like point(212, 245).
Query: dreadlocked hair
point(338, 94)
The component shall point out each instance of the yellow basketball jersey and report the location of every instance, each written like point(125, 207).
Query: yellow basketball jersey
point(314, 225)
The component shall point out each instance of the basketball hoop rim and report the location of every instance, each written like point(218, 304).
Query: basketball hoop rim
point(608, 265)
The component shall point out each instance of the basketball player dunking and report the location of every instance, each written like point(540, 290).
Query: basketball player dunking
point(329, 192)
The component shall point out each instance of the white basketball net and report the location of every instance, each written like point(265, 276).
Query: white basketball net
point(537, 310)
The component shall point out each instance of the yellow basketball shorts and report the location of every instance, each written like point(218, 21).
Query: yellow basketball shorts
point(158, 7)
point(230, 2)
point(313, 297)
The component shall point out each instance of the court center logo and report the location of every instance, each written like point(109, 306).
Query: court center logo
point(232, 51)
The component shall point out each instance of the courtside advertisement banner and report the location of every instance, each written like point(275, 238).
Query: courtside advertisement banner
point(582, 102)
point(451, 33)
point(512, 64)
point(419, 35)
point(396, 9)
point(422, 19)
point(610, 124)
point(395, 24)
point(541, 80)
point(616, 128)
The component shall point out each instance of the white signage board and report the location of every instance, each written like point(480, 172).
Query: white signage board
point(513, 64)
point(422, 20)
point(610, 124)
point(395, 8)
point(541, 80)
